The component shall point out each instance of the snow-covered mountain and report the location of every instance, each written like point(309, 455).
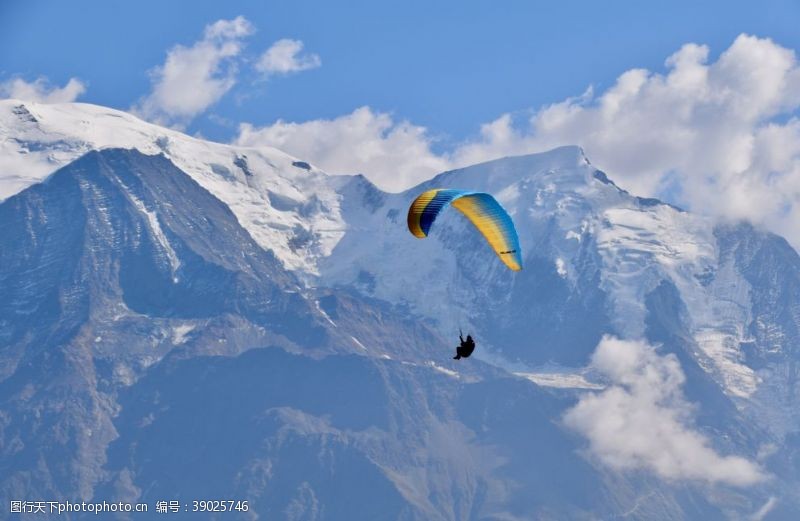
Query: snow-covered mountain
point(604, 250)
point(283, 202)
point(182, 318)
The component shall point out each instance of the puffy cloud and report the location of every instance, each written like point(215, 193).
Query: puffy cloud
point(394, 155)
point(642, 420)
point(41, 91)
point(194, 78)
point(284, 57)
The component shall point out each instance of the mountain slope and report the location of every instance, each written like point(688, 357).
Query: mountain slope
point(102, 274)
point(286, 205)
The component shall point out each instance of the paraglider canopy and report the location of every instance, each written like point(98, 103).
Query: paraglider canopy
point(480, 208)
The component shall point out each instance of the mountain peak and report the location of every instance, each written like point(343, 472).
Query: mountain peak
point(564, 169)
point(566, 154)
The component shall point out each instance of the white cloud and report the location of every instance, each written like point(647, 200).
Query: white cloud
point(722, 136)
point(394, 155)
point(642, 420)
point(194, 78)
point(41, 91)
point(284, 57)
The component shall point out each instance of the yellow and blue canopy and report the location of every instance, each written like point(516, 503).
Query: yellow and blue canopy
point(480, 208)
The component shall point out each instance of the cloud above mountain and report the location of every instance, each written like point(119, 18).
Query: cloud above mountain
point(41, 90)
point(193, 78)
point(642, 420)
point(285, 57)
point(719, 136)
point(365, 141)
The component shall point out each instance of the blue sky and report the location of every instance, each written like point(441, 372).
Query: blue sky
point(447, 66)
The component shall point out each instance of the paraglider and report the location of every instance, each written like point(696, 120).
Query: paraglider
point(466, 348)
point(485, 213)
point(480, 208)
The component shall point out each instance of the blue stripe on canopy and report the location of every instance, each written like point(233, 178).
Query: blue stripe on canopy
point(442, 199)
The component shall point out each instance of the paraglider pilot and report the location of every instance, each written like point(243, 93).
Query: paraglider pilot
point(466, 348)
